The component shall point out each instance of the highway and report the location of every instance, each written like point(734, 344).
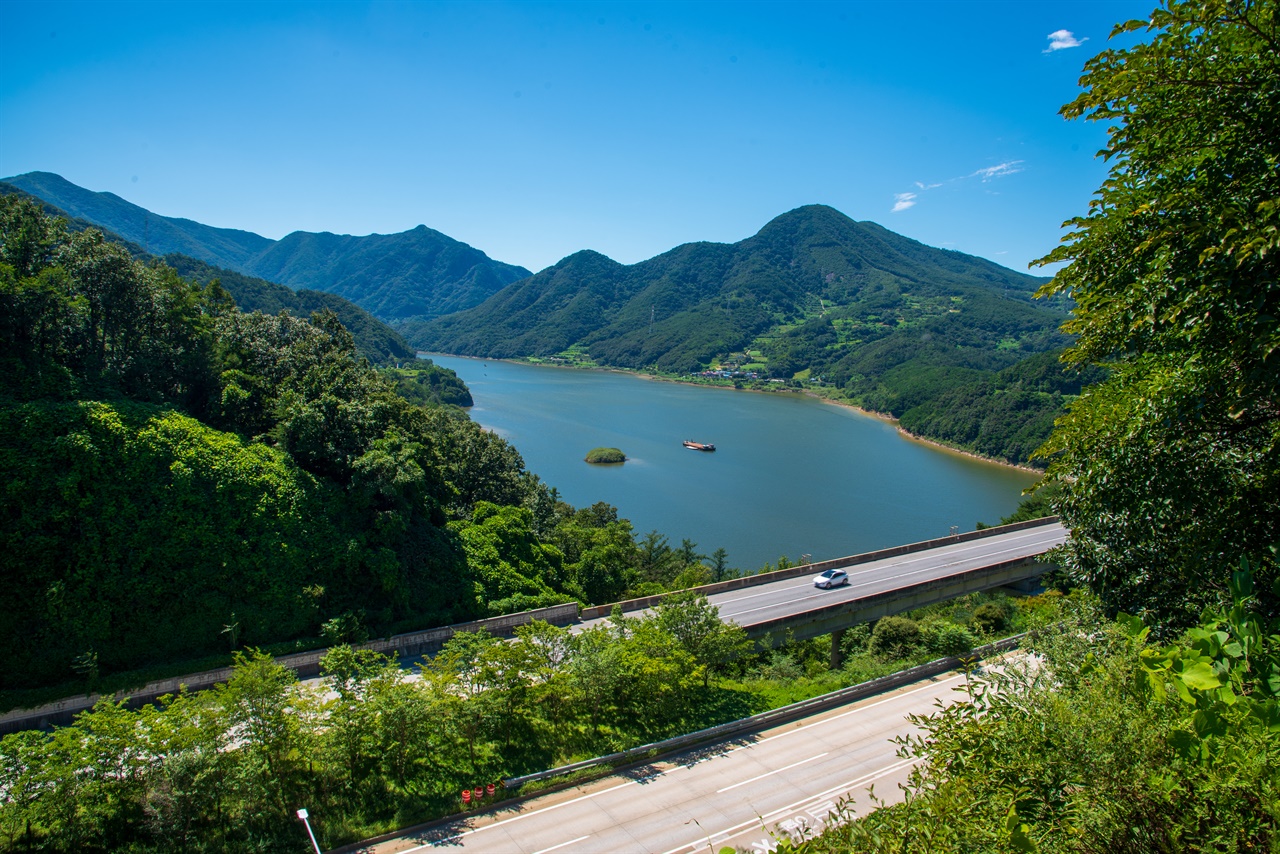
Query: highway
point(785, 780)
point(794, 596)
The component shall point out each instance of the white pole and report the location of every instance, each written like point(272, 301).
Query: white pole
point(302, 814)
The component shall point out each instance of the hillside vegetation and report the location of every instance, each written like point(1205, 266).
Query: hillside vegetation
point(182, 479)
point(419, 273)
point(374, 340)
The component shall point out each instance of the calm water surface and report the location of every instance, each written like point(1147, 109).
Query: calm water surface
point(791, 475)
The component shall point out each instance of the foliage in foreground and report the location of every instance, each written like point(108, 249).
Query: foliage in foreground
point(1171, 467)
point(1102, 743)
point(224, 770)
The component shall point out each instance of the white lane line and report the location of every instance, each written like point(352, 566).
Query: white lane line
point(562, 845)
point(931, 555)
point(806, 727)
point(770, 773)
point(842, 787)
point(475, 830)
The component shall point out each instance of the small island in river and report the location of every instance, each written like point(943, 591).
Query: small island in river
point(601, 456)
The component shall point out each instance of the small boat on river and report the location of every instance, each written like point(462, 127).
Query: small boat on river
point(699, 446)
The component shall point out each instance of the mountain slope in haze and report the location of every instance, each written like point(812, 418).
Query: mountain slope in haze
point(375, 340)
point(419, 273)
point(384, 273)
point(157, 235)
point(813, 268)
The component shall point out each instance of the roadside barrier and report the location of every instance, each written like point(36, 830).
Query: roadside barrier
point(760, 721)
point(775, 716)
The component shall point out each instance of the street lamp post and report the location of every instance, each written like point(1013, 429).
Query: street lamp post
point(302, 814)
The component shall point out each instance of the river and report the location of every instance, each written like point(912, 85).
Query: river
point(791, 475)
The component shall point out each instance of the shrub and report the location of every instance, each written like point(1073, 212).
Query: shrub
point(894, 636)
point(991, 617)
point(606, 455)
point(855, 640)
point(947, 638)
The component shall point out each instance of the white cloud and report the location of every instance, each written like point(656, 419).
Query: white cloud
point(1009, 167)
point(1063, 39)
point(902, 201)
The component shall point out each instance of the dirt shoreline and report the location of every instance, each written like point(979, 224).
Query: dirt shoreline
point(879, 416)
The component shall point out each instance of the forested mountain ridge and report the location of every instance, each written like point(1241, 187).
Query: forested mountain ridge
point(816, 299)
point(699, 302)
point(158, 235)
point(374, 340)
point(419, 273)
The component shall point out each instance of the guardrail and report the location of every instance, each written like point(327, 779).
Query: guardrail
point(775, 716)
point(627, 605)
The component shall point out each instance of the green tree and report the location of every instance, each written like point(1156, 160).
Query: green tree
point(719, 565)
point(695, 624)
point(1171, 467)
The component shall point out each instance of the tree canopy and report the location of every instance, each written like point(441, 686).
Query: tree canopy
point(183, 479)
point(1172, 465)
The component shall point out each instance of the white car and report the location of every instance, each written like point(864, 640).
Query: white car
point(831, 578)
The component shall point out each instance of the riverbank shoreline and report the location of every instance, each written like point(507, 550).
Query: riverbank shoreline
point(879, 416)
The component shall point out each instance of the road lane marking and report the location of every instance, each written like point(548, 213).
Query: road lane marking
point(857, 781)
point(1039, 541)
point(515, 818)
point(562, 845)
point(771, 773)
point(811, 724)
point(475, 830)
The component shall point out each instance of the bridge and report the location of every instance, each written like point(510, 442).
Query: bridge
point(777, 605)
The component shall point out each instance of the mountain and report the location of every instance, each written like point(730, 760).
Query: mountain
point(375, 341)
point(954, 346)
point(157, 235)
point(812, 268)
point(416, 274)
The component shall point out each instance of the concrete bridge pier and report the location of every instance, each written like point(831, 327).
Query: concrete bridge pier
point(837, 654)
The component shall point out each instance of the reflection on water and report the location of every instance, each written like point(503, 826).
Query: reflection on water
point(791, 475)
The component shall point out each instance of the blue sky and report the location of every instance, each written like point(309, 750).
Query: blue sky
point(532, 130)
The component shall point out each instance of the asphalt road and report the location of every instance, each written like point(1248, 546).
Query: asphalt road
point(785, 780)
point(796, 595)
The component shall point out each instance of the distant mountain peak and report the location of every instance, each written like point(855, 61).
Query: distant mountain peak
point(420, 273)
point(698, 302)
